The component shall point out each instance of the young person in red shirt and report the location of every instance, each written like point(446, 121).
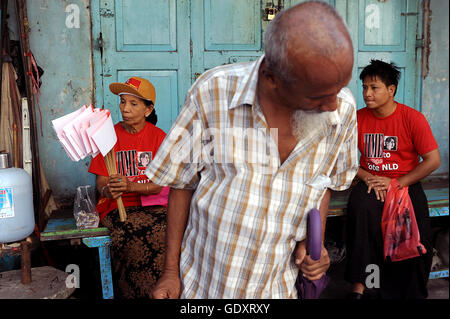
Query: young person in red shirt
point(391, 138)
point(138, 243)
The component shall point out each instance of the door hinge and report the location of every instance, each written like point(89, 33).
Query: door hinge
point(420, 43)
point(100, 42)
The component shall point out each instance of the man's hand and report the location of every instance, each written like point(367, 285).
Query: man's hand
point(167, 287)
point(312, 270)
point(379, 184)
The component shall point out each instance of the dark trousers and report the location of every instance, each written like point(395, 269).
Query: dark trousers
point(405, 279)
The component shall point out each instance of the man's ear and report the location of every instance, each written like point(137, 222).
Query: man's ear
point(268, 74)
point(391, 89)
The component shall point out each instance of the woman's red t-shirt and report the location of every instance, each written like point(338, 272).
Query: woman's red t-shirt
point(133, 153)
point(391, 146)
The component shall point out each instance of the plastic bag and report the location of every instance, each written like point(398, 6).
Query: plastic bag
point(84, 208)
point(399, 226)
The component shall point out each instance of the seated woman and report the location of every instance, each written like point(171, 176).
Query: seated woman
point(391, 137)
point(138, 243)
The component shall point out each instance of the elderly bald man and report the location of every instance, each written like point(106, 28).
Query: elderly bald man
point(255, 147)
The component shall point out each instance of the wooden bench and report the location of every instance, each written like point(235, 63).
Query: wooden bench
point(436, 190)
point(62, 226)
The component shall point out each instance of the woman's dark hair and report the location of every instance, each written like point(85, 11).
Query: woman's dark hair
point(388, 73)
point(152, 118)
point(142, 155)
point(390, 139)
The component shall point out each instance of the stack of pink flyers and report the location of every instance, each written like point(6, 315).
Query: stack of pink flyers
point(87, 131)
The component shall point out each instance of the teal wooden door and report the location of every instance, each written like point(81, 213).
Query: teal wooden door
point(149, 39)
point(385, 30)
point(171, 42)
point(229, 31)
point(225, 31)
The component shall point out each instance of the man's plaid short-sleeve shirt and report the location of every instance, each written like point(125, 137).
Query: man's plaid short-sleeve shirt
point(248, 211)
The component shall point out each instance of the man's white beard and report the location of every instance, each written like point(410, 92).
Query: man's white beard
point(306, 122)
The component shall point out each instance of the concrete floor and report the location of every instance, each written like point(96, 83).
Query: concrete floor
point(62, 254)
point(438, 288)
point(338, 288)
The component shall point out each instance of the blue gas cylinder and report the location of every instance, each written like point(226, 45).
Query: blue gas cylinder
point(16, 205)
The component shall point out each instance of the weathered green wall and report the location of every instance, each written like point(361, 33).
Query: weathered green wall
point(65, 55)
point(435, 103)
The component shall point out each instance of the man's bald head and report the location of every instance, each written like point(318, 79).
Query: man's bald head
point(306, 34)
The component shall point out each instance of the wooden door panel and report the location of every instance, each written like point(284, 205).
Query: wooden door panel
point(383, 28)
point(149, 39)
point(232, 25)
point(223, 32)
point(143, 25)
point(387, 31)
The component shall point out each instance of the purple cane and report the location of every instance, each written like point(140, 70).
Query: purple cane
point(306, 288)
point(314, 234)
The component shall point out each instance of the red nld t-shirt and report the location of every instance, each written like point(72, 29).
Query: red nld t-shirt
point(391, 146)
point(133, 153)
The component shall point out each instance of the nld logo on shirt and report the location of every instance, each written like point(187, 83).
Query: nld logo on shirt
point(375, 147)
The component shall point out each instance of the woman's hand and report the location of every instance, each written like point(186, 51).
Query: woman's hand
point(379, 184)
point(117, 185)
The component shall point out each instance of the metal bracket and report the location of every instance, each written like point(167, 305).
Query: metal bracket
point(271, 10)
point(100, 42)
point(197, 75)
point(420, 43)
